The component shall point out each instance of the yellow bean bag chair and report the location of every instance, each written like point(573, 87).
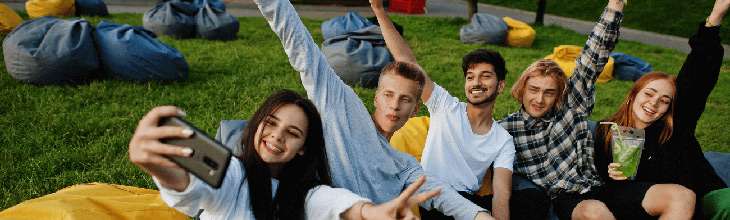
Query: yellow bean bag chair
point(520, 34)
point(95, 201)
point(8, 19)
point(566, 55)
point(58, 8)
point(411, 139)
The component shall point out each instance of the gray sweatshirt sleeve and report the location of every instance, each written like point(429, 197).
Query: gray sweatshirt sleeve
point(318, 78)
point(449, 202)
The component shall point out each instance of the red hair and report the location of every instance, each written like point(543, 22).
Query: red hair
point(625, 117)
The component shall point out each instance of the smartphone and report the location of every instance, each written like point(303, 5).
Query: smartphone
point(210, 158)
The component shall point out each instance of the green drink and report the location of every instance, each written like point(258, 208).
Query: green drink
point(627, 145)
point(628, 154)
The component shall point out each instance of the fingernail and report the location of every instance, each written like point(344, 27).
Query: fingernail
point(182, 113)
point(187, 151)
point(187, 132)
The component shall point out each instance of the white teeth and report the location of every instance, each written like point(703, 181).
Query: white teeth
point(273, 148)
point(647, 110)
point(477, 91)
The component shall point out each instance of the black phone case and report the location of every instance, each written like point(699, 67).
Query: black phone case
point(210, 158)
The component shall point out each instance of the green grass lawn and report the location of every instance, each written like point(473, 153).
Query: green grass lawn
point(56, 136)
point(679, 18)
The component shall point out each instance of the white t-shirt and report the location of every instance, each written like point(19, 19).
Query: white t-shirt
point(232, 200)
point(454, 153)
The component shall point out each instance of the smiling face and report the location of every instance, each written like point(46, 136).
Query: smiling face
point(652, 102)
point(281, 135)
point(396, 100)
point(481, 84)
point(540, 95)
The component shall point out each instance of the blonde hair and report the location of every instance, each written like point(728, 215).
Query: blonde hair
point(541, 67)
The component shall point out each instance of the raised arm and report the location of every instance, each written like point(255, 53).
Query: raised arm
point(318, 77)
point(594, 57)
point(700, 70)
point(398, 46)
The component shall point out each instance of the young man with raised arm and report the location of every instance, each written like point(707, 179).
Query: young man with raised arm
point(553, 142)
point(360, 157)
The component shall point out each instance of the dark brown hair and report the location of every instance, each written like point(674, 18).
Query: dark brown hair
point(484, 56)
point(298, 176)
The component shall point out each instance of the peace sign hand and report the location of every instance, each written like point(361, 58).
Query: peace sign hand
point(400, 207)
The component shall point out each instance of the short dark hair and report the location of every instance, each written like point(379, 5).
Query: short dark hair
point(484, 56)
point(408, 71)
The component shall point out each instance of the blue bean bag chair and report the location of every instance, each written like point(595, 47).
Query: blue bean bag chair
point(343, 24)
point(174, 18)
point(484, 29)
point(215, 24)
point(721, 163)
point(217, 4)
point(358, 57)
point(48, 50)
point(627, 67)
point(133, 53)
point(230, 133)
point(91, 8)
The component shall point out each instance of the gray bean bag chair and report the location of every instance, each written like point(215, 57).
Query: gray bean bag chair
point(133, 53)
point(215, 24)
point(484, 29)
point(359, 56)
point(217, 4)
point(91, 8)
point(343, 24)
point(48, 50)
point(174, 18)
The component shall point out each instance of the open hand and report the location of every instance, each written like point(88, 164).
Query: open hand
point(400, 207)
point(614, 173)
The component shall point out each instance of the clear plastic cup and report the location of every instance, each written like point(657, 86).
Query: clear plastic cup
point(627, 144)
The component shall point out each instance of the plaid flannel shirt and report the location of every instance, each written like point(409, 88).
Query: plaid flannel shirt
point(556, 151)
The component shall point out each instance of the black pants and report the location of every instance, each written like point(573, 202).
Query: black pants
point(525, 204)
point(623, 199)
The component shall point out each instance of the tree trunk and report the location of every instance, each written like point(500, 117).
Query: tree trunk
point(472, 8)
point(540, 15)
